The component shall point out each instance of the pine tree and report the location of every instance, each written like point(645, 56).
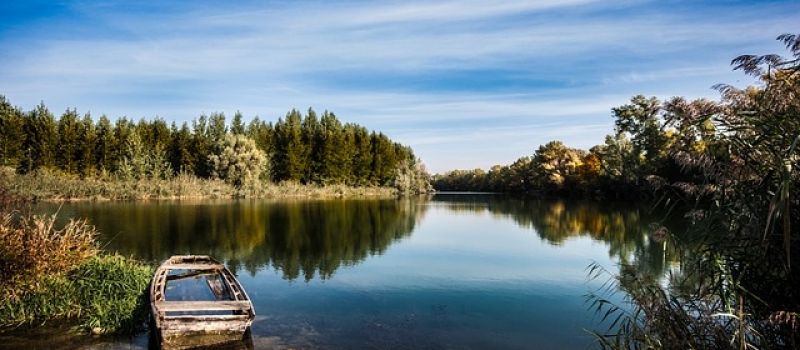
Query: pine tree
point(11, 133)
point(201, 145)
point(180, 155)
point(40, 140)
point(68, 141)
point(237, 125)
point(362, 156)
point(86, 146)
point(104, 145)
point(216, 127)
point(332, 159)
point(312, 139)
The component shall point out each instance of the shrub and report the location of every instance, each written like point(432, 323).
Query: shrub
point(237, 160)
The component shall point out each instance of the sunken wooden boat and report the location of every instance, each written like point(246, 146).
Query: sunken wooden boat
point(196, 299)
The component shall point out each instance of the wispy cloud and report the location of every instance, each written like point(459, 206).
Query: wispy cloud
point(465, 83)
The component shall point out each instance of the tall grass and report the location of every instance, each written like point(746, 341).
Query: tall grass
point(57, 273)
point(31, 248)
point(47, 184)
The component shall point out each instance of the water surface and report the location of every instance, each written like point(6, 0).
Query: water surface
point(448, 272)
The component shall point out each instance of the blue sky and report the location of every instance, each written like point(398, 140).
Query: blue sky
point(465, 83)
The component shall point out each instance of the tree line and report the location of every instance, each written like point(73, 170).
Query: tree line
point(651, 141)
point(306, 148)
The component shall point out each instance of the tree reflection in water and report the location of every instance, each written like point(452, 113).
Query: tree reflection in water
point(626, 229)
point(311, 238)
point(299, 238)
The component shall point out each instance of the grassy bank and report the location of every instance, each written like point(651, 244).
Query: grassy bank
point(58, 274)
point(57, 186)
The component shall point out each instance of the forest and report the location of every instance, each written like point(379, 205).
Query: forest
point(305, 149)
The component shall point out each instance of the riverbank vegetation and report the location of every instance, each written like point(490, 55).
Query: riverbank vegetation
point(733, 167)
point(740, 171)
point(58, 273)
point(74, 157)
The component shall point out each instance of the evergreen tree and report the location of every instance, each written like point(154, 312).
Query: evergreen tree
point(104, 145)
point(86, 146)
point(11, 133)
point(262, 133)
point(332, 157)
point(362, 156)
point(68, 141)
point(216, 128)
point(181, 157)
point(290, 151)
point(201, 146)
point(123, 136)
point(313, 138)
point(40, 140)
point(237, 125)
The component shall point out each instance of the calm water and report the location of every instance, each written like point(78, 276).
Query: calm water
point(451, 272)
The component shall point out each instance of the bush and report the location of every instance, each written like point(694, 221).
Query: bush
point(237, 160)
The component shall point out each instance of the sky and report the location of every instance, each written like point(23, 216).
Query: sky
point(467, 84)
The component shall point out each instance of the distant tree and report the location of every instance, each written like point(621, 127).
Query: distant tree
point(40, 141)
point(290, 151)
point(11, 133)
point(86, 146)
point(642, 121)
point(237, 125)
point(181, 157)
point(412, 178)
point(201, 146)
point(216, 127)
point(312, 135)
point(362, 156)
point(383, 159)
point(556, 164)
point(104, 146)
point(333, 150)
point(237, 160)
point(68, 141)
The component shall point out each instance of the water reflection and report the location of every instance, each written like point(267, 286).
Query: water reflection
point(299, 238)
point(308, 238)
point(455, 271)
point(625, 228)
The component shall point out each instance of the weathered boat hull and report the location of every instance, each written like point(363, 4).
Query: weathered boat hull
point(182, 324)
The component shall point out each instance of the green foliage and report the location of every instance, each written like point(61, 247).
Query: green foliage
point(306, 149)
point(40, 140)
point(11, 133)
point(412, 178)
point(105, 294)
point(111, 290)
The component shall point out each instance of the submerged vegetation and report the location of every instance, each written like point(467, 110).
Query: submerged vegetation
point(151, 159)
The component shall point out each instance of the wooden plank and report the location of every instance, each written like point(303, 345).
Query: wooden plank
point(192, 266)
point(165, 306)
point(202, 318)
point(191, 274)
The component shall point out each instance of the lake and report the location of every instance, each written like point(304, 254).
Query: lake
point(454, 271)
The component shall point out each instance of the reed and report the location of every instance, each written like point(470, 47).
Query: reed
point(53, 185)
point(57, 273)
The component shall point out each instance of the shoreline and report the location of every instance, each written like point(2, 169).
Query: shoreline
point(54, 187)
